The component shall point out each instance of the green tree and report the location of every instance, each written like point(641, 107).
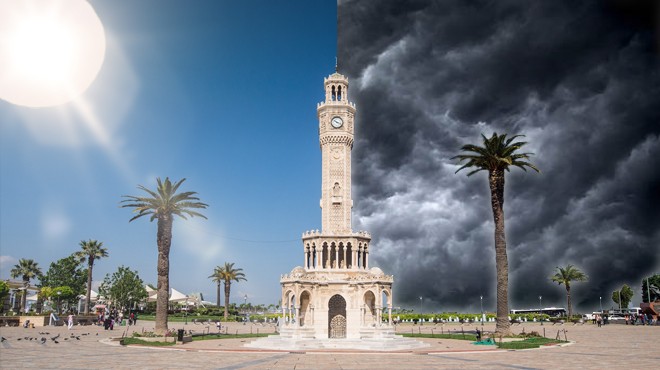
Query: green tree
point(4, 292)
point(496, 156)
point(651, 291)
point(59, 295)
point(67, 271)
point(91, 251)
point(162, 205)
point(27, 270)
point(626, 294)
point(124, 287)
point(566, 275)
point(227, 273)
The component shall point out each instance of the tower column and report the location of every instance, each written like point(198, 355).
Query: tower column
point(366, 260)
point(336, 256)
point(389, 311)
point(344, 258)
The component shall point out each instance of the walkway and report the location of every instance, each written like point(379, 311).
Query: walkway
point(596, 348)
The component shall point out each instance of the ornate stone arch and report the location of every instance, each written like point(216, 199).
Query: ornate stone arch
point(305, 304)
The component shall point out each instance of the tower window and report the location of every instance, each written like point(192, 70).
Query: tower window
point(339, 93)
point(334, 93)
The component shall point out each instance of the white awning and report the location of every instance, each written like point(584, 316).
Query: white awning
point(177, 296)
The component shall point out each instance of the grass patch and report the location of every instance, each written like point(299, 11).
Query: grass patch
point(466, 336)
point(529, 343)
point(228, 336)
point(138, 341)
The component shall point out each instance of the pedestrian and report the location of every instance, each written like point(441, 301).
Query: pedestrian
point(135, 319)
point(70, 320)
point(599, 320)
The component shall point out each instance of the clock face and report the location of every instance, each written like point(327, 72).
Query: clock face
point(337, 122)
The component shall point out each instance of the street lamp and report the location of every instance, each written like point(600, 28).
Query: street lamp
point(420, 310)
point(481, 300)
point(58, 301)
point(601, 304)
point(540, 297)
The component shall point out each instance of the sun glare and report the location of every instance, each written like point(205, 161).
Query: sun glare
point(50, 50)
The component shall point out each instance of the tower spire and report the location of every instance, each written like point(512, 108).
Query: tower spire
point(336, 63)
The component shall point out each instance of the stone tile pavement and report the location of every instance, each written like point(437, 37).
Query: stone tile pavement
point(610, 346)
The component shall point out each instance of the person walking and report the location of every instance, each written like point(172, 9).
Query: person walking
point(70, 320)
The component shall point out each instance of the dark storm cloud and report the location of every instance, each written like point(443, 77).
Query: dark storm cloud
point(580, 79)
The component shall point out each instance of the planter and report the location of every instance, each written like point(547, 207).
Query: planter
point(36, 321)
point(157, 339)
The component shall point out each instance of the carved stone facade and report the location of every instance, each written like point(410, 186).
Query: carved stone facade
point(335, 294)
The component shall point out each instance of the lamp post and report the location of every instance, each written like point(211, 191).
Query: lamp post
point(619, 300)
point(540, 305)
point(601, 304)
point(58, 301)
point(481, 301)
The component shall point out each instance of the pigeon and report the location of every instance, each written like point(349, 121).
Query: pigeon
point(56, 342)
point(55, 337)
point(19, 338)
point(3, 339)
point(77, 338)
point(66, 338)
point(43, 340)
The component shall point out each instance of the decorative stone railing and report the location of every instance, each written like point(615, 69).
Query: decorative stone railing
point(358, 234)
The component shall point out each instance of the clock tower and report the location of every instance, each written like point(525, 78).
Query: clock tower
point(335, 293)
point(336, 117)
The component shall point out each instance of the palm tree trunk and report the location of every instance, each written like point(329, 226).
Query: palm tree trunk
point(496, 182)
point(568, 300)
point(164, 242)
point(90, 263)
point(217, 295)
point(26, 283)
point(227, 289)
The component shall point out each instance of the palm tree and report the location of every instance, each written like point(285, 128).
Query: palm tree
point(496, 156)
point(565, 275)
point(163, 204)
point(27, 270)
point(92, 250)
point(227, 273)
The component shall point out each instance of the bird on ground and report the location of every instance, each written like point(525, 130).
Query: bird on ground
point(55, 337)
point(3, 339)
point(43, 340)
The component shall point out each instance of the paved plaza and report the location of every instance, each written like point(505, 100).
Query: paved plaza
point(611, 346)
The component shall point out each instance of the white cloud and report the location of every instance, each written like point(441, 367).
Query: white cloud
point(7, 261)
point(55, 224)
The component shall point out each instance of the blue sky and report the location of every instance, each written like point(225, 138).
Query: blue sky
point(222, 93)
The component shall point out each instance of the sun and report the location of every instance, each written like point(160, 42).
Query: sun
point(50, 50)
